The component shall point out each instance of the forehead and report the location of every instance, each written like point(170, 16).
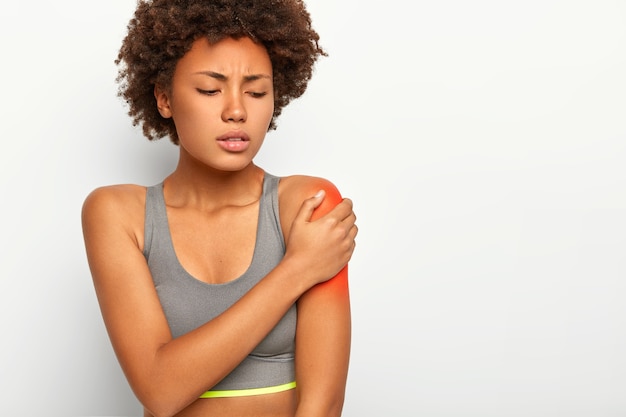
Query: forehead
point(227, 56)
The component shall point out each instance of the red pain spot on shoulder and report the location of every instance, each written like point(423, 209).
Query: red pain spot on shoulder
point(331, 199)
point(337, 284)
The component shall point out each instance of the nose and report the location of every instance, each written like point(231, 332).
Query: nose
point(234, 109)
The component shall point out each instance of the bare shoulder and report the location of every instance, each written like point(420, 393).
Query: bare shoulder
point(297, 188)
point(294, 189)
point(114, 200)
point(115, 208)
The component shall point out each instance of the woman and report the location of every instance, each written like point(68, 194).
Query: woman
point(224, 288)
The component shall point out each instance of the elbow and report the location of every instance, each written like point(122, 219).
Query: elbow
point(159, 395)
point(157, 409)
point(159, 405)
point(164, 413)
point(160, 410)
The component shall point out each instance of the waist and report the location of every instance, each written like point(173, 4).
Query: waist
point(248, 392)
point(257, 372)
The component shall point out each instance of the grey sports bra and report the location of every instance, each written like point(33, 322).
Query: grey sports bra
point(189, 303)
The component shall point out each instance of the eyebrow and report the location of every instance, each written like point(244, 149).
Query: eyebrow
point(222, 77)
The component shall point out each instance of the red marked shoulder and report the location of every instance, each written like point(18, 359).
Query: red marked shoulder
point(331, 199)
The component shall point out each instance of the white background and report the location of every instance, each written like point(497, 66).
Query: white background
point(483, 143)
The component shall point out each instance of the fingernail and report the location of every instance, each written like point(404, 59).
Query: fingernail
point(319, 193)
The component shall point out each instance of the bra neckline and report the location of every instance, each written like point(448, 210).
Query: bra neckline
point(255, 251)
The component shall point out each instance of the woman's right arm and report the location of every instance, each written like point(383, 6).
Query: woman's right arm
point(168, 374)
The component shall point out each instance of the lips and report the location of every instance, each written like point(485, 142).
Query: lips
point(234, 136)
point(235, 141)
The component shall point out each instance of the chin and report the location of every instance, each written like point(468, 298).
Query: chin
point(233, 166)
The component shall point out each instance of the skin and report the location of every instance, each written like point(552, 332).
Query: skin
point(212, 202)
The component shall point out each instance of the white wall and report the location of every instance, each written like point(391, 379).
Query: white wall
point(483, 143)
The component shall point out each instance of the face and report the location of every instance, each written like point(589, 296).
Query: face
point(221, 101)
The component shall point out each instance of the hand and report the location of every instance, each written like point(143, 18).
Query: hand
point(319, 249)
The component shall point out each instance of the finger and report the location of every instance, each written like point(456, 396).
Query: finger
point(353, 232)
point(350, 219)
point(309, 205)
point(341, 211)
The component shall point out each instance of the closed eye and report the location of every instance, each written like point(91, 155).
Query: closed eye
point(207, 92)
point(257, 94)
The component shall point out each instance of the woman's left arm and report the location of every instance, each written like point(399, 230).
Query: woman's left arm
point(323, 339)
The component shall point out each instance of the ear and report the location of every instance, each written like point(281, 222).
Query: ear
point(162, 101)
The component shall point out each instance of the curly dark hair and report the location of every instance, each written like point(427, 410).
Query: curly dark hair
point(162, 31)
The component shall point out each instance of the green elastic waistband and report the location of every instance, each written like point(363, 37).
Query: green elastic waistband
point(248, 392)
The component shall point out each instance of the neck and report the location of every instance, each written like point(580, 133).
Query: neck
point(208, 188)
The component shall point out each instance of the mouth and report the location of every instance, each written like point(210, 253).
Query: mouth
point(234, 137)
point(234, 141)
